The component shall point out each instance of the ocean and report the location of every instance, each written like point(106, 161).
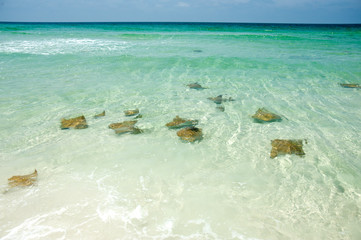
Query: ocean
point(95, 184)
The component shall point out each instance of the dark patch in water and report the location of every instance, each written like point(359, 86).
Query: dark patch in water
point(338, 186)
point(12, 29)
point(350, 85)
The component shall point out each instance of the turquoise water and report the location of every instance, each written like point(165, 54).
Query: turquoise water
point(94, 184)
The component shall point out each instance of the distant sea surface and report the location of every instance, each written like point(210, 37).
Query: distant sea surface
point(95, 184)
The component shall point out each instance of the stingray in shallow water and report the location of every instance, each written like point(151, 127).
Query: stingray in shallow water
point(77, 123)
point(23, 180)
point(125, 127)
point(122, 124)
point(350, 85)
point(219, 99)
point(181, 122)
point(281, 147)
point(196, 86)
point(263, 115)
point(190, 134)
point(131, 130)
point(130, 113)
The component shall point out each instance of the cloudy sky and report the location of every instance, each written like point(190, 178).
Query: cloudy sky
point(266, 11)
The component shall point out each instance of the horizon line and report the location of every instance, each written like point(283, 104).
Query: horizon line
point(172, 22)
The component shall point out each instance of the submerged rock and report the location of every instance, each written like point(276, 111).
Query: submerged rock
point(219, 99)
point(77, 123)
point(24, 180)
point(350, 85)
point(125, 127)
point(100, 115)
point(196, 86)
point(190, 134)
point(263, 115)
point(280, 147)
point(130, 113)
point(180, 123)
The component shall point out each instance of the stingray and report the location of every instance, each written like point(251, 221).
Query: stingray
point(24, 180)
point(180, 123)
point(130, 113)
point(350, 85)
point(125, 127)
point(190, 134)
point(77, 123)
point(122, 124)
point(196, 86)
point(100, 115)
point(263, 115)
point(130, 129)
point(219, 99)
point(281, 147)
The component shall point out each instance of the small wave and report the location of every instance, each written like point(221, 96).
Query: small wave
point(62, 46)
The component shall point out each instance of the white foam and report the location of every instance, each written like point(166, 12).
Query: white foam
point(62, 46)
point(167, 227)
point(36, 228)
point(138, 213)
point(206, 228)
point(106, 214)
point(237, 235)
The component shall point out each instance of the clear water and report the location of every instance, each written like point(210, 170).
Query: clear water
point(94, 184)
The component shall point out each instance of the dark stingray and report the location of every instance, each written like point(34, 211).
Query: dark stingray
point(129, 129)
point(181, 123)
point(350, 85)
point(196, 86)
point(282, 146)
point(77, 123)
point(130, 113)
point(263, 115)
point(190, 134)
point(125, 127)
point(219, 99)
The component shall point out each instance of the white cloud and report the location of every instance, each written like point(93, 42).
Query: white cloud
point(182, 4)
point(291, 3)
point(220, 2)
point(298, 3)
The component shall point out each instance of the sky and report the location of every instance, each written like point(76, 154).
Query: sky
point(248, 11)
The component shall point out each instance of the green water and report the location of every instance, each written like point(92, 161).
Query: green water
point(94, 184)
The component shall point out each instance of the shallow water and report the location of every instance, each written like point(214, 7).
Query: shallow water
point(94, 184)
